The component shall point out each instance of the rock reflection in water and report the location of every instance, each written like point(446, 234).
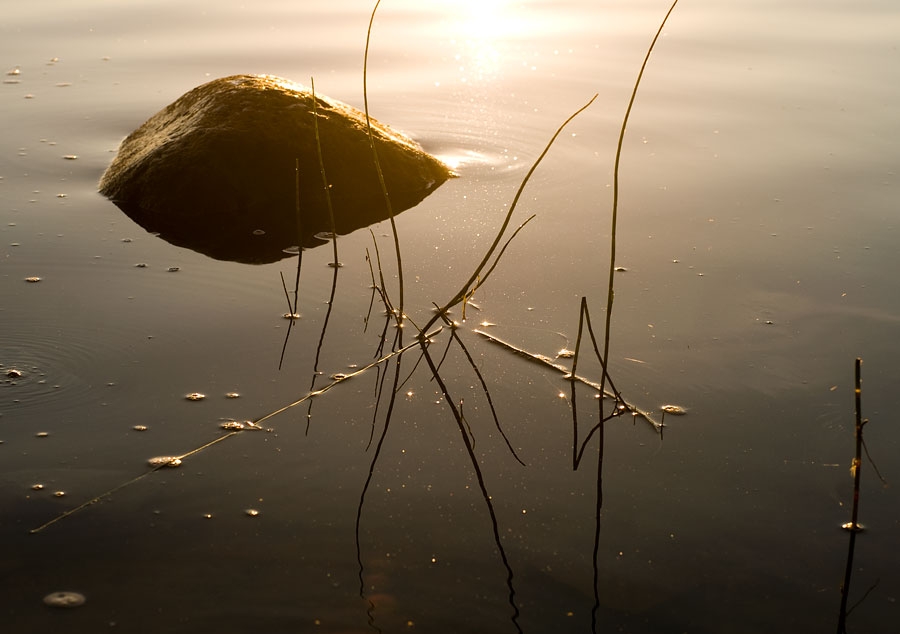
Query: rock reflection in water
point(216, 170)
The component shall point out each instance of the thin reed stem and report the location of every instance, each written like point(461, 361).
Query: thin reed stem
point(466, 289)
point(384, 190)
point(615, 206)
point(853, 526)
point(325, 185)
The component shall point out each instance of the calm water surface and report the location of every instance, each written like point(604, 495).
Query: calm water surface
point(758, 228)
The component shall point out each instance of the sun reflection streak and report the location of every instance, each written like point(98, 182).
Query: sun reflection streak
point(482, 30)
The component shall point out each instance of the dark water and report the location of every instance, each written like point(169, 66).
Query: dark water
point(758, 226)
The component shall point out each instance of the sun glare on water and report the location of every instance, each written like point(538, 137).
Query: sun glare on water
point(481, 31)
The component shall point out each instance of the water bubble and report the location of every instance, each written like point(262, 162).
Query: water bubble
point(252, 512)
point(33, 279)
point(71, 157)
point(59, 494)
point(37, 487)
point(41, 434)
point(674, 410)
point(140, 265)
point(259, 232)
point(64, 599)
point(140, 428)
point(232, 395)
point(195, 396)
point(13, 373)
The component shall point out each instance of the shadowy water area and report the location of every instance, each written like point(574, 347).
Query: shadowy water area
point(324, 470)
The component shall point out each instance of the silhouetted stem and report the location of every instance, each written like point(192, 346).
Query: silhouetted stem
point(384, 191)
point(615, 208)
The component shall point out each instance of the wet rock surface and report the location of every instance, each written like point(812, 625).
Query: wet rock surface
point(215, 170)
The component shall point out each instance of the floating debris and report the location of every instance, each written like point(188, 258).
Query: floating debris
point(14, 71)
point(140, 265)
point(173, 269)
point(41, 434)
point(33, 279)
point(621, 269)
point(140, 428)
point(674, 410)
point(62, 195)
point(252, 512)
point(71, 157)
point(259, 232)
point(245, 425)
point(127, 240)
point(195, 396)
point(164, 461)
point(13, 373)
point(59, 494)
point(291, 315)
point(37, 487)
point(565, 353)
point(338, 376)
point(64, 599)
point(232, 395)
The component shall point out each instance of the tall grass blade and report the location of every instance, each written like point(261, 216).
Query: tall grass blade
point(387, 199)
point(615, 206)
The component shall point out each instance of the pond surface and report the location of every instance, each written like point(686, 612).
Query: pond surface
point(757, 229)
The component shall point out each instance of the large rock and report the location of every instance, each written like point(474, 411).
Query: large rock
point(215, 170)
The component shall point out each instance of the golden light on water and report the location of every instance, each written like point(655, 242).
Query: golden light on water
point(483, 19)
point(480, 31)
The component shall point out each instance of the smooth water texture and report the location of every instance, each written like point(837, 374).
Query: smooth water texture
point(757, 233)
